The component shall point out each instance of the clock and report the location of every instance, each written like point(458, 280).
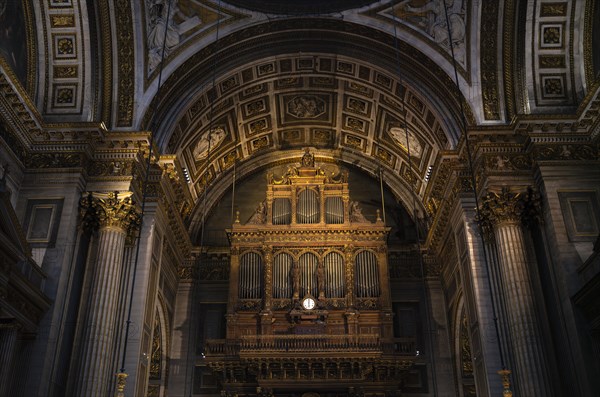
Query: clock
point(308, 303)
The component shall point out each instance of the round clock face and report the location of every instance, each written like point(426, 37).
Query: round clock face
point(308, 303)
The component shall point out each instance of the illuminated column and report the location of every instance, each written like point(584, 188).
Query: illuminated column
point(294, 201)
point(504, 211)
point(351, 314)
point(322, 203)
point(349, 271)
point(346, 201)
point(266, 315)
point(269, 220)
point(268, 292)
point(115, 216)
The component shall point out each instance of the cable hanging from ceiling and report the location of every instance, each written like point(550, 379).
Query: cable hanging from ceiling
point(415, 212)
point(122, 374)
point(193, 323)
point(503, 372)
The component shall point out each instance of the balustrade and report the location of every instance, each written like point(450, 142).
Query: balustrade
point(310, 344)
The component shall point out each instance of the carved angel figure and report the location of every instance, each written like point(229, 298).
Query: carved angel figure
point(260, 216)
point(356, 214)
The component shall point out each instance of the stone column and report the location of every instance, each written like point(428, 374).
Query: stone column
point(8, 341)
point(114, 215)
point(504, 211)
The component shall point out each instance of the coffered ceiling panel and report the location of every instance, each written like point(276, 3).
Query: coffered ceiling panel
point(309, 100)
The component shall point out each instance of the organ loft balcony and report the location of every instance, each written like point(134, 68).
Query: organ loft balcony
point(309, 293)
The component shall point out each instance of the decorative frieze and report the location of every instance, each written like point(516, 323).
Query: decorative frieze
point(565, 152)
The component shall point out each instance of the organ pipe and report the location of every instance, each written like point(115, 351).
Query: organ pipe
point(282, 211)
point(334, 210)
point(308, 208)
point(367, 275)
point(250, 284)
point(334, 275)
point(308, 274)
point(282, 275)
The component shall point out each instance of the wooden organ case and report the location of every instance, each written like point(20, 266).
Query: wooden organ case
point(309, 306)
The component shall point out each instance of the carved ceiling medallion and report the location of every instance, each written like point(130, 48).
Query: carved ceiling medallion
point(209, 141)
point(407, 141)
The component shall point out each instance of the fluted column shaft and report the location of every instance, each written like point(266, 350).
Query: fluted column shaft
point(532, 373)
point(99, 333)
point(527, 340)
point(113, 217)
point(8, 341)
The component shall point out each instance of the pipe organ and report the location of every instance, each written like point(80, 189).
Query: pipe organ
point(309, 282)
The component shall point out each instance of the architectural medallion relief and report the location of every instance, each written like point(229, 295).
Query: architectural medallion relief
point(306, 107)
point(407, 140)
point(208, 142)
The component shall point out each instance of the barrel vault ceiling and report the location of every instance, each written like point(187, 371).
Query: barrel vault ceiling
point(256, 82)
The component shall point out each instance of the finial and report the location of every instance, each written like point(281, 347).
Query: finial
point(504, 374)
point(378, 216)
point(237, 216)
point(121, 379)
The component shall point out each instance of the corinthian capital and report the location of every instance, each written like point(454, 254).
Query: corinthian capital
point(112, 209)
point(504, 206)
